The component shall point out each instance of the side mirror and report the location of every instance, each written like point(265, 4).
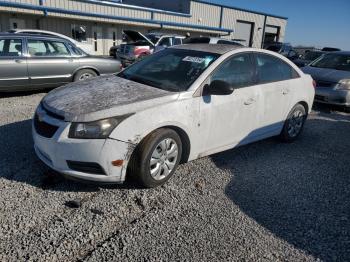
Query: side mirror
point(218, 88)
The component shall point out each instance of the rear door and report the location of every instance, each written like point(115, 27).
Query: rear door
point(13, 64)
point(274, 78)
point(50, 62)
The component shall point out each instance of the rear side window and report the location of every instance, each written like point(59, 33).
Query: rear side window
point(165, 42)
point(10, 47)
point(51, 48)
point(272, 69)
point(177, 41)
point(237, 70)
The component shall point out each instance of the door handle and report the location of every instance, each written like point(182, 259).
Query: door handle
point(249, 101)
point(19, 61)
point(285, 91)
point(70, 60)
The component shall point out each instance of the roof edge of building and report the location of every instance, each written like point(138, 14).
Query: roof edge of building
point(240, 9)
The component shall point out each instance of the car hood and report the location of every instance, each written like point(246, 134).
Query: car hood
point(103, 97)
point(326, 74)
point(137, 36)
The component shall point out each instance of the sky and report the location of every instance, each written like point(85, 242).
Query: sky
point(310, 22)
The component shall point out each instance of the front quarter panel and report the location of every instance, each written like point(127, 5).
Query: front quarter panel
point(183, 114)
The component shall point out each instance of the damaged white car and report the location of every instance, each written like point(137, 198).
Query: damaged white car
point(177, 105)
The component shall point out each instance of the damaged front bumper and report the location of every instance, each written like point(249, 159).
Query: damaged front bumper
point(97, 160)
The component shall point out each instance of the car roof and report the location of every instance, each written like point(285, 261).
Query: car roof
point(6, 34)
point(210, 48)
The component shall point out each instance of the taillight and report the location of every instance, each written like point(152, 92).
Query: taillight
point(314, 83)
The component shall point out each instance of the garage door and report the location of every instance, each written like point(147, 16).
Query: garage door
point(243, 33)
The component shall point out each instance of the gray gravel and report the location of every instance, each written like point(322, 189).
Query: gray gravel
point(262, 202)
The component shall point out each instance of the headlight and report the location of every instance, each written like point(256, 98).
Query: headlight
point(95, 130)
point(343, 85)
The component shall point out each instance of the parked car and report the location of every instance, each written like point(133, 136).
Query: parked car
point(174, 106)
point(332, 75)
point(308, 57)
point(284, 49)
point(36, 62)
point(331, 49)
point(87, 48)
point(140, 45)
point(210, 40)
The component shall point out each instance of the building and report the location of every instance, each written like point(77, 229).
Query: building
point(101, 22)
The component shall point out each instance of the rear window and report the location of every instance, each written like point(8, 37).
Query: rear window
point(10, 47)
point(197, 40)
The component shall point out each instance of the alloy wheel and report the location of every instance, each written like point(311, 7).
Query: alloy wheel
point(163, 159)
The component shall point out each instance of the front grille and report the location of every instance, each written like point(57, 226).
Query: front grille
point(86, 167)
point(44, 129)
point(52, 114)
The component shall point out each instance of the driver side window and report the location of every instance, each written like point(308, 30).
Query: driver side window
point(237, 71)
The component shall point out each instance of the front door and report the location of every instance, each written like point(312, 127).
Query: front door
point(228, 120)
point(13, 64)
point(50, 62)
point(97, 40)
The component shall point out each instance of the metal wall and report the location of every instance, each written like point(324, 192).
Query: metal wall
point(205, 19)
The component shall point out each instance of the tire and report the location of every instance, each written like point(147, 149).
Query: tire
point(145, 173)
point(84, 74)
point(294, 124)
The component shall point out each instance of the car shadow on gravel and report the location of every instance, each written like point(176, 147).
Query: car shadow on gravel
point(18, 162)
point(298, 191)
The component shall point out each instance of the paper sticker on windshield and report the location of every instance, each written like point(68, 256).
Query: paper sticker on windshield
point(194, 59)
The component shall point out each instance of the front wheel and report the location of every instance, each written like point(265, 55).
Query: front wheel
point(156, 158)
point(294, 123)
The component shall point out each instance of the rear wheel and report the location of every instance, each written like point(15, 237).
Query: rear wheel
point(156, 158)
point(294, 124)
point(84, 74)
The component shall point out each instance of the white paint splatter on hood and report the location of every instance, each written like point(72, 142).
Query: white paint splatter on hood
point(103, 97)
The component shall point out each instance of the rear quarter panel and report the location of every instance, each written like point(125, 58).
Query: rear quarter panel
point(100, 65)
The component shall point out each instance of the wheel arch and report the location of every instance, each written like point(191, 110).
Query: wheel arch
point(305, 105)
point(85, 67)
point(185, 140)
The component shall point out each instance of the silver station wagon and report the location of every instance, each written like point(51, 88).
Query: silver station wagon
point(36, 61)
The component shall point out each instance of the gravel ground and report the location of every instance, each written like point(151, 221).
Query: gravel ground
point(262, 202)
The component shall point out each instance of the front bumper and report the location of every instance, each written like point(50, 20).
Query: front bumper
point(57, 150)
point(333, 97)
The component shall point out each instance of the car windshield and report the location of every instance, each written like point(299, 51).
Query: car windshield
point(171, 69)
point(333, 61)
point(312, 55)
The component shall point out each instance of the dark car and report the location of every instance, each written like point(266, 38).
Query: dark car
point(36, 61)
point(308, 57)
point(332, 75)
point(284, 49)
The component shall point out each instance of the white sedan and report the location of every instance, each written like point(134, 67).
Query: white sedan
point(175, 106)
